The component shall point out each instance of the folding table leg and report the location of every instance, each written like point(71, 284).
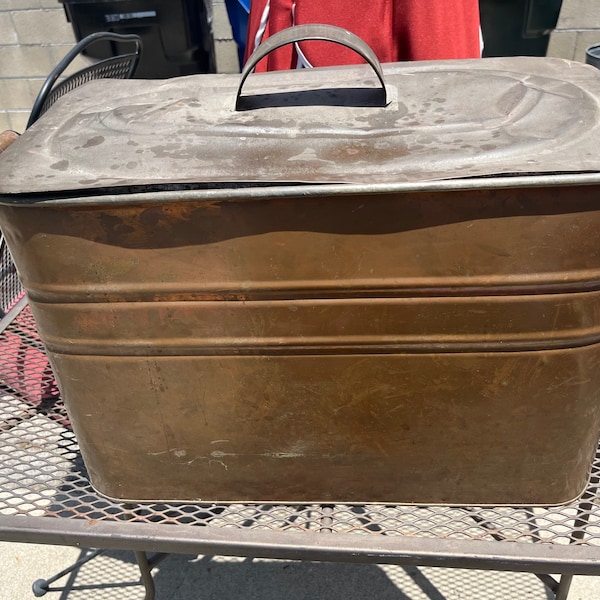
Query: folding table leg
point(41, 587)
point(564, 585)
point(146, 565)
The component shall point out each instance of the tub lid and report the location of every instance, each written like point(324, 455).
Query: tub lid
point(440, 120)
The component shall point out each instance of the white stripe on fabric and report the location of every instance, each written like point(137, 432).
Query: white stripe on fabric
point(303, 62)
point(262, 26)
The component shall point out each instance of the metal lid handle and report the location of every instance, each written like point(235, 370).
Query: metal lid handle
point(318, 32)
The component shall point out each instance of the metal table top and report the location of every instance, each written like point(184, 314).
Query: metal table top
point(45, 497)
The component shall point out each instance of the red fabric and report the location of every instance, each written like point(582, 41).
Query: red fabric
point(396, 29)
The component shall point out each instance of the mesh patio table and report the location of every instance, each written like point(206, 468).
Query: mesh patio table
point(46, 497)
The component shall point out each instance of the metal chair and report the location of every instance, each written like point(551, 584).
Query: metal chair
point(12, 296)
point(120, 66)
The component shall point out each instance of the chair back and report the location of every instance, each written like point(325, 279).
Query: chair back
point(120, 66)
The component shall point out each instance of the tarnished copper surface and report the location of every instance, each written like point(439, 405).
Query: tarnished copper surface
point(428, 348)
point(454, 428)
point(424, 333)
point(179, 246)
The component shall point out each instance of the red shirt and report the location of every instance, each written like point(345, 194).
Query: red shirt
point(397, 30)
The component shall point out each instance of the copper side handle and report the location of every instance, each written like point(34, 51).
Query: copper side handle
point(6, 139)
point(319, 32)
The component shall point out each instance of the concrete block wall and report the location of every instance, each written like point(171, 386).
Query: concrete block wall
point(35, 36)
point(578, 28)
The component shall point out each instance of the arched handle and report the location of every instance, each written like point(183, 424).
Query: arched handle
point(318, 32)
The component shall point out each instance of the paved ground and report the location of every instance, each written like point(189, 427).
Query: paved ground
point(114, 576)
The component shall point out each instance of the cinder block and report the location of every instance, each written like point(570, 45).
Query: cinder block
point(227, 57)
point(36, 86)
point(42, 26)
point(81, 62)
point(579, 14)
point(26, 61)
point(562, 44)
point(8, 35)
point(17, 120)
point(19, 4)
point(221, 25)
point(4, 120)
point(16, 94)
point(59, 52)
point(217, 4)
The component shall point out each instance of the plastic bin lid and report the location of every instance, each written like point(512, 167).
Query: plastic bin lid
point(443, 120)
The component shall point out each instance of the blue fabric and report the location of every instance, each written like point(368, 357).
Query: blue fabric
point(238, 10)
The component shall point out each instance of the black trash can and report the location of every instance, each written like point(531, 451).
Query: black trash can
point(592, 56)
point(177, 34)
point(517, 27)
